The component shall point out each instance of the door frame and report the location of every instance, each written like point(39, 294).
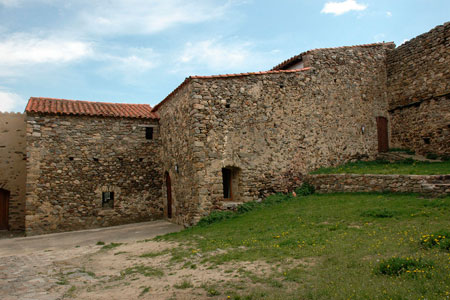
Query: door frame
point(4, 197)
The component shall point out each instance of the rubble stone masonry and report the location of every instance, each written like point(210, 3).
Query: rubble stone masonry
point(72, 160)
point(419, 87)
point(13, 166)
point(272, 128)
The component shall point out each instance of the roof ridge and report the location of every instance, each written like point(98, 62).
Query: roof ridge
point(87, 101)
point(89, 108)
point(157, 106)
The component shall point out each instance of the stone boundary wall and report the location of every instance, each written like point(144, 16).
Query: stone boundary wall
point(13, 165)
point(418, 85)
point(436, 185)
point(424, 128)
point(419, 69)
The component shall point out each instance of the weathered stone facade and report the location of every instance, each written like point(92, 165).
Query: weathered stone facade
point(419, 87)
point(13, 166)
point(72, 160)
point(434, 185)
point(226, 139)
point(272, 128)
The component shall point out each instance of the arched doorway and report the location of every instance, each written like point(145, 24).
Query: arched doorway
point(169, 195)
point(4, 203)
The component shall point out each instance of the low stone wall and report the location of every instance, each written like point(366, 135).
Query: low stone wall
point(436, 185)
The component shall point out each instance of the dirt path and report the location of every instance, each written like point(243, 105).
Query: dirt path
point(35, 267)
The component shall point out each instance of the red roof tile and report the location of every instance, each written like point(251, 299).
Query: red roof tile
point(220, 76)
point(298, 57)
point(87, 108)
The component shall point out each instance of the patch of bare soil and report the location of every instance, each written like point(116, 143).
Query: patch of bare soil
point(148, 270)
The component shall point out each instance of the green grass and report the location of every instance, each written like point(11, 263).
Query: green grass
point(143, 270)
point(330, 247)
point(111, 246)
point(385, 167)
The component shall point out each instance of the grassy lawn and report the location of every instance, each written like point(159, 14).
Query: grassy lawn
point(385, 167)
point(332, 246)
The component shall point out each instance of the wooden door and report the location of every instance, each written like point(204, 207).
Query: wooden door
point(4, 202)
point(169, 195)
point(383, 139)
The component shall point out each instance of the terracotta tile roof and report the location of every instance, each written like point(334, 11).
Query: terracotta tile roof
point(87, 108)
point(298, 57)
point(221, 76)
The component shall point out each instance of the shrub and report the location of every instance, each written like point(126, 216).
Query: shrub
point(215, 216)
point(305, 190)
point(396, 266)
point(378, 213)
point(431, 156)
point(440, 239)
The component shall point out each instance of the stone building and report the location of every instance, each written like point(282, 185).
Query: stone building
point(219, 140)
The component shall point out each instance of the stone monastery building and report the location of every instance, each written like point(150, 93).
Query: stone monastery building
point(223, 139)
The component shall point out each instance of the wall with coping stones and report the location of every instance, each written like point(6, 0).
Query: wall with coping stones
point(419, 85)
point(275, 127)
point(13, 165)
point(435, 185)
point(73, 159)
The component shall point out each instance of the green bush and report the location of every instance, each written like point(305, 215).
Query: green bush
point(396, 266)
point(431, 156)
point(378, 213)
point(440, 239)
point(215, 216)
point(305, 190)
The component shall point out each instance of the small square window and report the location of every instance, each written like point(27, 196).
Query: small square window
point(108, 200)
point(149, 133)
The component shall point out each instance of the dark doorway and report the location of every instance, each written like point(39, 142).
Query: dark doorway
point(169, 195)
point(4, 202)
point(383, 139)
point(227, 184)
point(230, 181)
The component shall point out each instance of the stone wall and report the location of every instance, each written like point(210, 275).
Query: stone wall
point(13, 166)
point(270, 128)
point(72, 160)
point(424, 127)
point(418, 85)
point(435, 185)
point(179, 155)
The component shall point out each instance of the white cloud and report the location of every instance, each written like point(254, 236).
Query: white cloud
point(145, 16)
point(389, 14)
point(25, 49)
point(9, 2)
point(11, 102)
point(135, 60)
point(339, 8)
point(216, 55)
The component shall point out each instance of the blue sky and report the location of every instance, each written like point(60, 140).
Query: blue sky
point(138, 51)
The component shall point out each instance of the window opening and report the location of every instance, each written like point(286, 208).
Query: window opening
point(149, 133)
point(108, 200)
